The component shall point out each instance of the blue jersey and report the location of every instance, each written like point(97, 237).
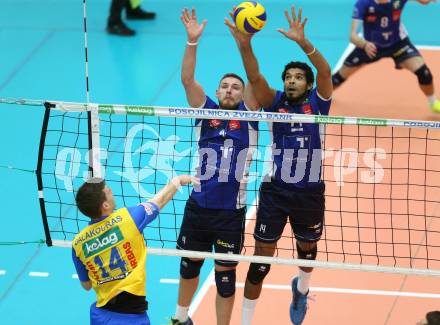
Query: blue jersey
point(297, 147)
point(381, 22)
point(225, 149)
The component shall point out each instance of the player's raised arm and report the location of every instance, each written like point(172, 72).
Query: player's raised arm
point(249, 98)
point(296, 33)
point(194, 91)
point(264, 94)
point(166, 193)
point(369, 47)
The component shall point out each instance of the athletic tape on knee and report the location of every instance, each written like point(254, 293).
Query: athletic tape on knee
point(307, 255)
point(424, 75)
point(225, 281)
point(257, 272)
point(190, 269)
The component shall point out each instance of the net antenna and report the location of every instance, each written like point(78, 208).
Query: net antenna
point(92, 114)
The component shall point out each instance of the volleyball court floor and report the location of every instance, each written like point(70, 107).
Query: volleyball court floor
point(43, 59)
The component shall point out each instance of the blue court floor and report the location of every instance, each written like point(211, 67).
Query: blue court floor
point(42, 57)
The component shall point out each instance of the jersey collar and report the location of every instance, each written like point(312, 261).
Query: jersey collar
point(92, 221)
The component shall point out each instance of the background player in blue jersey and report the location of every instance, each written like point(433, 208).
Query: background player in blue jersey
point(384, 36)
point(110, 254)
point(294, 190)
point(215, 212)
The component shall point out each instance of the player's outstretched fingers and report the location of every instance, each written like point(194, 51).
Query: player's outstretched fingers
point(289, 20)
point(293, 13)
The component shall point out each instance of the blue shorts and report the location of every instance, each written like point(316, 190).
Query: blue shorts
point(100, 316)
point(203, 228)
point(399, 52)
point(303, 208)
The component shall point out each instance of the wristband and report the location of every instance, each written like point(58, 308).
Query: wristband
point(312, 52)
point(191, 44)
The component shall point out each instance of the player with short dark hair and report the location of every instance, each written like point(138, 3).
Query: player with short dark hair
point(294, 189)
point(385, 36)
point(110, 253)
point(215, 212)
point(431, 318)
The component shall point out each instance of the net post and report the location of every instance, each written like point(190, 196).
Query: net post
point(47, 106)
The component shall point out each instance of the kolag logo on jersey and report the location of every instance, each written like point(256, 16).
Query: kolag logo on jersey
point(98, 244)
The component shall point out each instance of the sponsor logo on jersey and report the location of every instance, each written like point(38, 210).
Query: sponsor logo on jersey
point(106, 240)
point(307, 109)
point(96, 230)
point(371, 19)
point(214, 123)
point(396, 14)
point(283, 110)
point(224, 244)
point(234, 125)
point(147, 207)
point(114, 278)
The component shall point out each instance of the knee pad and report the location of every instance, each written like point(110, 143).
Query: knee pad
point(337, 80)
point(424, 75)
point(190, 269)
point(307, 255)
point(257, 272)
point(225, 281)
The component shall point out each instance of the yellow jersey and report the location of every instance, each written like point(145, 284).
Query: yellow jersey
point(111, 252)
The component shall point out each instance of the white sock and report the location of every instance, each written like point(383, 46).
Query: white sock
point(431, 99)
point(304, 281)
point(181, 313)
point(248, 311)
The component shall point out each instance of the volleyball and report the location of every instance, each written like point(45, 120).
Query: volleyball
point(250, 17)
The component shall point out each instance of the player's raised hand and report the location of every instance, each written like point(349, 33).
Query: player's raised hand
point(239, 36)
point(185, 179)
point(296, 26)
point(370, 49)
point(193, 29)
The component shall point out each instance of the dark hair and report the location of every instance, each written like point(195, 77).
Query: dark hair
point(433, 317)
point(232, 75)
point(310, 77)
point(90, 197)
